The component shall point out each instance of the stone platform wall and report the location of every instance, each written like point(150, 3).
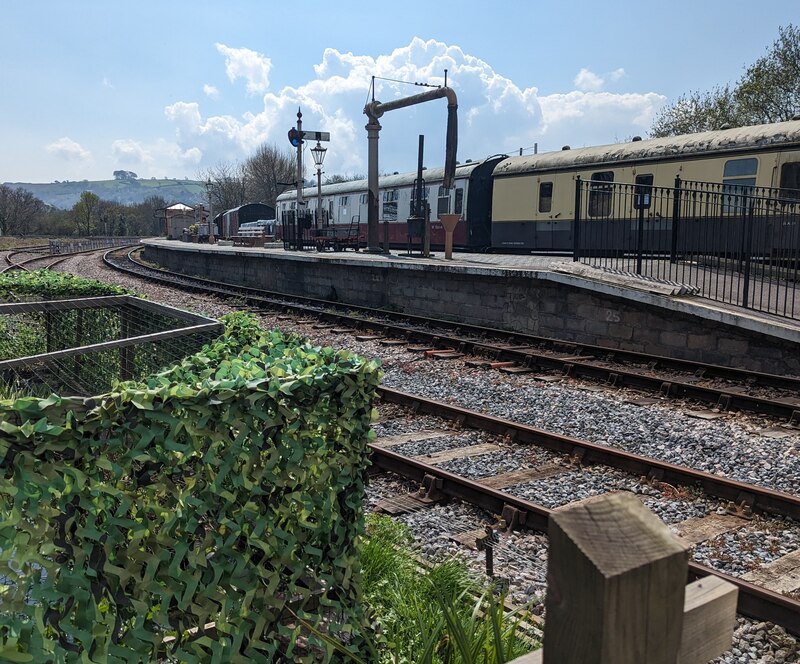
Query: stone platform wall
point(533, 302)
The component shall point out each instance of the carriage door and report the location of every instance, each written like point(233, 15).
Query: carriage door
point(545, 226)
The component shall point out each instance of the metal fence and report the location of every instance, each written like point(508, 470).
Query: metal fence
point(64, 246)
point(297, 230)
point(81, 347)
point(732, 242)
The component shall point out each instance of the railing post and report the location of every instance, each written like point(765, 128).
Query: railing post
point(640, 240)
point(676, 215)
point(576, 225)
point(747, 251)
point(616, 591)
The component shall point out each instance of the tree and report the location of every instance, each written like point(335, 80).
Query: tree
point(19, 210)
point(768, 91)
point(698, 111)
point(264, 170)
point(84, 212)
point(125, 175)
point(770, 88)
point(143, 219)
point(226, 186)
point(346, 177)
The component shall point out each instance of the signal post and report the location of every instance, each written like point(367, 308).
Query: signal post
point(296, 137)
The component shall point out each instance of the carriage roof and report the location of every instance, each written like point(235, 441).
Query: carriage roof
point(701, 143)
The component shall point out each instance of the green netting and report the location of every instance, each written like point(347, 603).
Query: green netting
point(227, 490)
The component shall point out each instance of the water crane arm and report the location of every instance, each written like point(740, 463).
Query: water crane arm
point(375, 109)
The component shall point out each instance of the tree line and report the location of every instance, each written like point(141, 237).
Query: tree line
point(21, 213)
point(257, 179)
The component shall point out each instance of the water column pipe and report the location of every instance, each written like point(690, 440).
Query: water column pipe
point(374, 110)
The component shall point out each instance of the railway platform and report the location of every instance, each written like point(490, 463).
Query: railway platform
point(543, 295)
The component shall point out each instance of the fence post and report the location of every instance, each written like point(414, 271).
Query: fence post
point(617, 594)
point(640, 240)
point(747, 250)
point(576, 225)
point(676, 215)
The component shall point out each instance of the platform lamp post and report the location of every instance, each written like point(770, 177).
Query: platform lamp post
point(318, 154)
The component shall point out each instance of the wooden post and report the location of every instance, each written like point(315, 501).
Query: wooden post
point(617, 594)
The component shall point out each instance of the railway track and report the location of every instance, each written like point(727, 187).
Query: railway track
point(48, 261)
point(10, 256)
point(500, 488)
point(716, 387)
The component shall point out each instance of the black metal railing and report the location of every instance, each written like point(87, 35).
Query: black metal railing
point(732, 242)
point(297, 230)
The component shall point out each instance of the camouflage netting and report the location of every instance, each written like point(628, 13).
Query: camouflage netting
point(227, 489)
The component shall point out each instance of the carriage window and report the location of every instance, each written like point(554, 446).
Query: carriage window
point(738, 179)
point(443, 206)
point(736, 168)
point(545, 196)
point(790, 181)
point(459, 200)
point(390, 205)
point(342, 201)
point(643, 192)
point(600, 192)
point(364, 199)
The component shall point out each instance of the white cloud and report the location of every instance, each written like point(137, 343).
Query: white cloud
point(67, 149)
point(210, 91)
point(128, 151)
point(617, 74)
point(579, 118)
point(495, 114)
point(161, 154)
point(588, 81)
point(249, 65)
point(107, 83)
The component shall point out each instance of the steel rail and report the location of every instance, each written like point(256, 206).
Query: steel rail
point(755, 602)
point(757, 498)
point(59, 258)
point(524, 354)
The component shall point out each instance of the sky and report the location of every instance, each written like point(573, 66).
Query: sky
point(172, 88)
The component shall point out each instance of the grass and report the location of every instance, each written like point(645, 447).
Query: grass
point(440, 615)
point(11, 242)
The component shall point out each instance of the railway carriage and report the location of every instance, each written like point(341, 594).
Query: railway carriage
point(344, 205)
point(534, 197)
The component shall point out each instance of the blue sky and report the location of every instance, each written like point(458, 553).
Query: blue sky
point(174, 87)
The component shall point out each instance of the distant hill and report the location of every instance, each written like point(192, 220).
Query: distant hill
point(128, 191)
